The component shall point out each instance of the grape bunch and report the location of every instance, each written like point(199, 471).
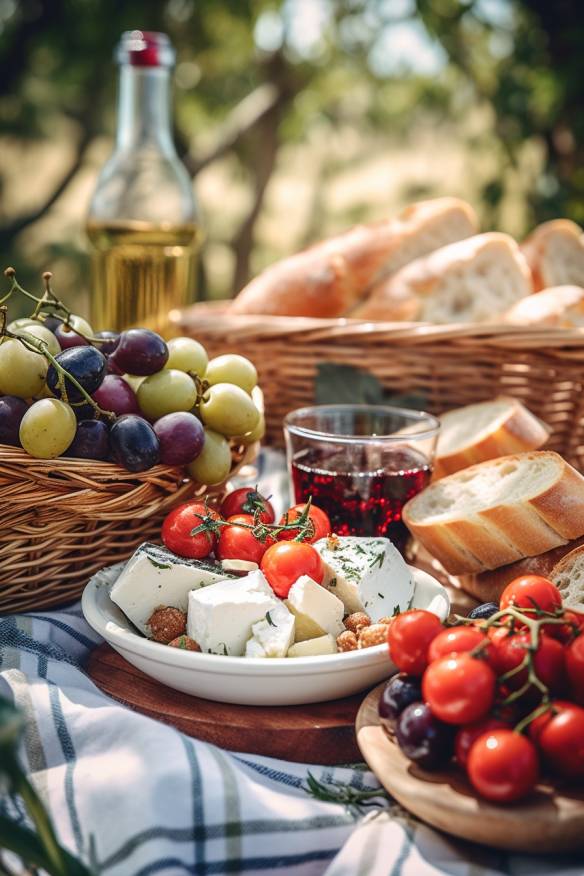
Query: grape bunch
point(128, 397)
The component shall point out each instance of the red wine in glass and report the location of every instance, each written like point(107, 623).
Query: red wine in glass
point(363, 492)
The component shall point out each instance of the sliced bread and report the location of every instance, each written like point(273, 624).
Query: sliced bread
point(568, 576)
point(472, 280)
point(499, 511)
point(560, 307)
point(555, 254)
point(484, 431)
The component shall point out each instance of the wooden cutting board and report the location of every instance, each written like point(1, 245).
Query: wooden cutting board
point(322, 733)
point(549, 821)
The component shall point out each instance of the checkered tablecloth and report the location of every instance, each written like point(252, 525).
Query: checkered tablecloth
point(133, 797)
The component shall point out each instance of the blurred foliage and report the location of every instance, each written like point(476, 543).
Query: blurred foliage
point(256, 78)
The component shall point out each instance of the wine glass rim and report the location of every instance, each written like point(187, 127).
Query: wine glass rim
point(392, 410)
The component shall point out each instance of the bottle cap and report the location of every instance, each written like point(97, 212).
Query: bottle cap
point(142, 48)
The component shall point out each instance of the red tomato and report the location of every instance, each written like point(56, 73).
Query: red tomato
point(284, 562)
point(320, 520)
point(536, 726)
point(247, 500)
point(575, 668)
point(239, 542)
point(502, 766)
point(456, 640)
point(409, 637)
point(177, 527)
point(469, 733)
point(510, 650)
point(561, 740)
point(459, 689)
point(573, 624)
point(531, 591)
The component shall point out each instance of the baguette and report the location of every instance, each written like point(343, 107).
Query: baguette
point(471, 280)
point(555, 254)
point(499, 511)
point(484, 431)
point(568, 576)
point(559, 307)
point(328, 279)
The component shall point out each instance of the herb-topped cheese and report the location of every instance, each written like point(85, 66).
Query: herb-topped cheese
point(154, 576)
point(273, 635)
point(366, 574)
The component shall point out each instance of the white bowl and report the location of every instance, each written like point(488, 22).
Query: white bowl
point(249, 681)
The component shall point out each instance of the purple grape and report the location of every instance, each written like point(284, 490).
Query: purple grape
point(112, 368)
point(52, 323)
point(110, 341)
point(12, 410)
point(91, 441)
point(134, 443)
point(181, 438)
point(86, 364)
point(399, 692)
point(423, 738)
point(116, 395)
point(68, 338)
point(83, 411)
point(140, 352)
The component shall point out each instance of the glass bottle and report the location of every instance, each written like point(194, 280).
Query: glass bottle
point(142, 224)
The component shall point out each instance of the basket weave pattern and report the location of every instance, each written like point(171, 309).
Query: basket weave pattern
point(61, 520)
point(449, 365)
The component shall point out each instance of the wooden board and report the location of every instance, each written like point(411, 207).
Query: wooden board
point(321, 733)
point(549, 821)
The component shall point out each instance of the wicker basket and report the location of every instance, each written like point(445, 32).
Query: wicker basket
point(63, 519)
point(449, 365)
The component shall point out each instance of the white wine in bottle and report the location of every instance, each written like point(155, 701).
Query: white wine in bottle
point(142, 225)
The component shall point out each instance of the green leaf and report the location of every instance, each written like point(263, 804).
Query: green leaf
point(26, 844)
point(344, 384)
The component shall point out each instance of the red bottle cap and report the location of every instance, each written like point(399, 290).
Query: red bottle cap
point(142, 48)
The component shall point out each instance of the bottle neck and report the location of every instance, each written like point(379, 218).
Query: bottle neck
point(144, 110)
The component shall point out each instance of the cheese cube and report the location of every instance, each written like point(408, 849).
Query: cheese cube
point(154, 576)
point(273, 635)
point(314, 647)
point(221, 616)
point(317, 611)
point(367, 574)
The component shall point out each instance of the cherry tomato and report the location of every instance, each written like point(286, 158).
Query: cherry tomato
point(409, 637)
point(503, 766)
point(469, 733)
point(459, 688)
point(531, 591)
point(239, 542)
point(510, 650)
point(561, 741)
point(536, 726)
point(286, 561)
point(177, 526)
point(456, 640)
point(247, 500)
point(575, 668)
point(320, 520)
point(566, 632)
point(507, 652)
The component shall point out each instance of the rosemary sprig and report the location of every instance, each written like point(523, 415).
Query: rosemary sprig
point(336, 792)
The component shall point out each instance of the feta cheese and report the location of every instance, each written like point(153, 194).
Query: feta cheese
point(317, 611)
point(367, 574)
point(220, 617)
point(273, 635)
point(314, 647)
point(154, 576)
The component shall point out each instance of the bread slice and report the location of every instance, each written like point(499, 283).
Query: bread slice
point(484, 431)
point(559, 307)
point(568, 576)
point(328, 279)
point(488, 586)
point(499, 511)
point(555, 254)
point(472, 280)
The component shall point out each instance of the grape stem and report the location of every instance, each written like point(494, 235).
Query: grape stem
point(261, 531)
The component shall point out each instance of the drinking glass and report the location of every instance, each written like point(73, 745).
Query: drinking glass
point(361, 464)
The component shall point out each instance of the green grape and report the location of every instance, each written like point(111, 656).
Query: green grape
point(228, 409)
point(22, 372)
point(213, 464)
point(17, 324)
point(186, 354)
point(80, 325)
point(135, 381)
point(165, 392)
point(47, 428)
point(232, 368)
point(255, 435)
point(41, 333)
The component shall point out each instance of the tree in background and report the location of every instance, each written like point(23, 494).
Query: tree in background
point(255, 78)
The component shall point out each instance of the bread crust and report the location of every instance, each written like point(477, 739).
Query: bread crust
point(535, 249)
point(558, 307)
